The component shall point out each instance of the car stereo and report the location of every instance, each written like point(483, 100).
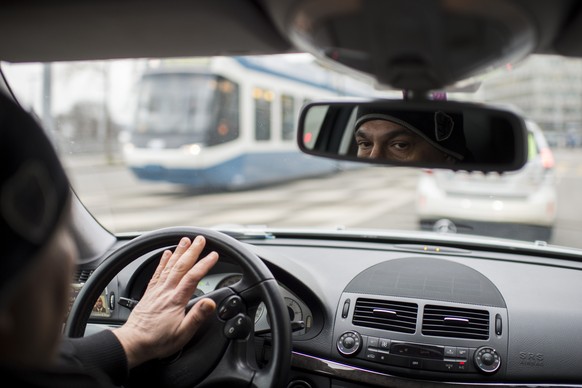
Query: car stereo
point(438, 358)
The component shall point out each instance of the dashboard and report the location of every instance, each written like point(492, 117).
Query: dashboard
point(373, 314)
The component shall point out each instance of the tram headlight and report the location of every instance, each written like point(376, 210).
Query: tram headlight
point(192, 149)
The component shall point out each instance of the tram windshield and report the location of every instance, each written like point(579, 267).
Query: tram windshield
point(174, 103)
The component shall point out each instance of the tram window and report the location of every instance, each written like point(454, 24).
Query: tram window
point(227, 112)
point(288, 117)
point(263, 100)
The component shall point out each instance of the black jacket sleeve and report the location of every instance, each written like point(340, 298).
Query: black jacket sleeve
point(99, 353)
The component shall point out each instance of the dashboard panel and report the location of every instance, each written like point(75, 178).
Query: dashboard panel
point(118, 298)
point(383, 314)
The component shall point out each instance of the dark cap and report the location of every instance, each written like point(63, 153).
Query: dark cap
point(34, 189)
point(443, 130)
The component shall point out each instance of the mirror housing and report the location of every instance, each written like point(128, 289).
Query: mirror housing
point(427, 133)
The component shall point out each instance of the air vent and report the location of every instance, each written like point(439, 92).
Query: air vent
point(386, 315)
point(81, 275)
point(444, 321)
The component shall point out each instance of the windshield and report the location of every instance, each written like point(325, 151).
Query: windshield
point(157, 143)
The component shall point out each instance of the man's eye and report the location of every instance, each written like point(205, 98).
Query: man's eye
point(401, 146)
point(364, 144)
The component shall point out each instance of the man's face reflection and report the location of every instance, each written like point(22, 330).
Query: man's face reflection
point(382, 139)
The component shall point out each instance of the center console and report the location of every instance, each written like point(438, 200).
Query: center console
point(425, 317)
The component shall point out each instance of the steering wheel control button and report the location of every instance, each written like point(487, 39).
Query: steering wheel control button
point(127, 302)
point(487, 360)
point(349, 343)
point(239, 327)
point(230, 307)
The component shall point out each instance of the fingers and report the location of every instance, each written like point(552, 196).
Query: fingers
point(189, 281)
point(186, 261)
point(182, 247)
point(197, 315)
point(163, 262)
point(182, 269)
point(165, 268)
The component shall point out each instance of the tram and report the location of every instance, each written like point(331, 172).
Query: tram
point(211, 123)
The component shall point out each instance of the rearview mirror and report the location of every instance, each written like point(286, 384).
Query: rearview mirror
point(430, 134)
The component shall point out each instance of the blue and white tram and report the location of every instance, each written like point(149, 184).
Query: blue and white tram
point(211, 125)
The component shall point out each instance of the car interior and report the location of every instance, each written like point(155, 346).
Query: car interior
point(337, 307)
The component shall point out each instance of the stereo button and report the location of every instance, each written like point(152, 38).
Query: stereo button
point(462, 352)
point(461, 367)
point(383, 357)
point(487, 360)
point(384, 344)
point(349, 343)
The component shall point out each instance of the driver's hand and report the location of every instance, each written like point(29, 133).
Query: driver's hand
point(159, 326)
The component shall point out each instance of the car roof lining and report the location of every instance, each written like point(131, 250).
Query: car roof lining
point(40, 31)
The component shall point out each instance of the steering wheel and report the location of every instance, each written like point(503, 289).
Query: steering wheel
point(222, 352)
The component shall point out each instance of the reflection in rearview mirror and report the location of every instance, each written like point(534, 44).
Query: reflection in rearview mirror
point(431, 134)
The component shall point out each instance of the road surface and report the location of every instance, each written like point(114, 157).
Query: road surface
point(371, 197)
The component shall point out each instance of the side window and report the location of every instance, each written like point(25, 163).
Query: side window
point(263, 100)
point(287, 117)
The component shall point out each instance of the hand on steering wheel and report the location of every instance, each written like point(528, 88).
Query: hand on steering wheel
point(159, 325)
point(222, 352)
